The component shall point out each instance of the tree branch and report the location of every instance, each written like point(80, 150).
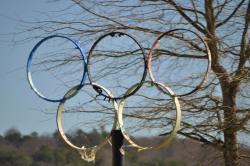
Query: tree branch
point(186, 17)
point(231, 15)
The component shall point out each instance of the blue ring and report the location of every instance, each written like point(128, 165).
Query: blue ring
point(28, 69)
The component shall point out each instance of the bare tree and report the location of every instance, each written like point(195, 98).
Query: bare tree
point(222, 106)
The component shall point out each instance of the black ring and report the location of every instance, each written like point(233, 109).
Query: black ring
point(116, 34)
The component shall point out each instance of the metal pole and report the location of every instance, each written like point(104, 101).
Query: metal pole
point(117, 142)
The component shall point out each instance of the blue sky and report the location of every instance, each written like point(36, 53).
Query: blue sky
point(19, 106)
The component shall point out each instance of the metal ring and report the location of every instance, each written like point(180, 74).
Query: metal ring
point(157, 41)
point(29, 64)
point(90, 55)
point(82, 150)
point(171, 134)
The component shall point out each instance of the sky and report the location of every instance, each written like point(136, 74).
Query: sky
point(19, 106)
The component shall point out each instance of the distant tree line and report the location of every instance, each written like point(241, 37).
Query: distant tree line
point(49, 150)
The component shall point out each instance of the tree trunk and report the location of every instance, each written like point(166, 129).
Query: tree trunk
point(231, 151)
point(231, 154)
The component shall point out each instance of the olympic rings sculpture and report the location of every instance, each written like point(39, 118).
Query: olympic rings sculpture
point(88, 154)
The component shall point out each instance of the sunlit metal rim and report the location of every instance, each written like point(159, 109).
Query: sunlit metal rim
point(82, 150)
point(169, 136)
point(29, 65)
point(209, 59)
